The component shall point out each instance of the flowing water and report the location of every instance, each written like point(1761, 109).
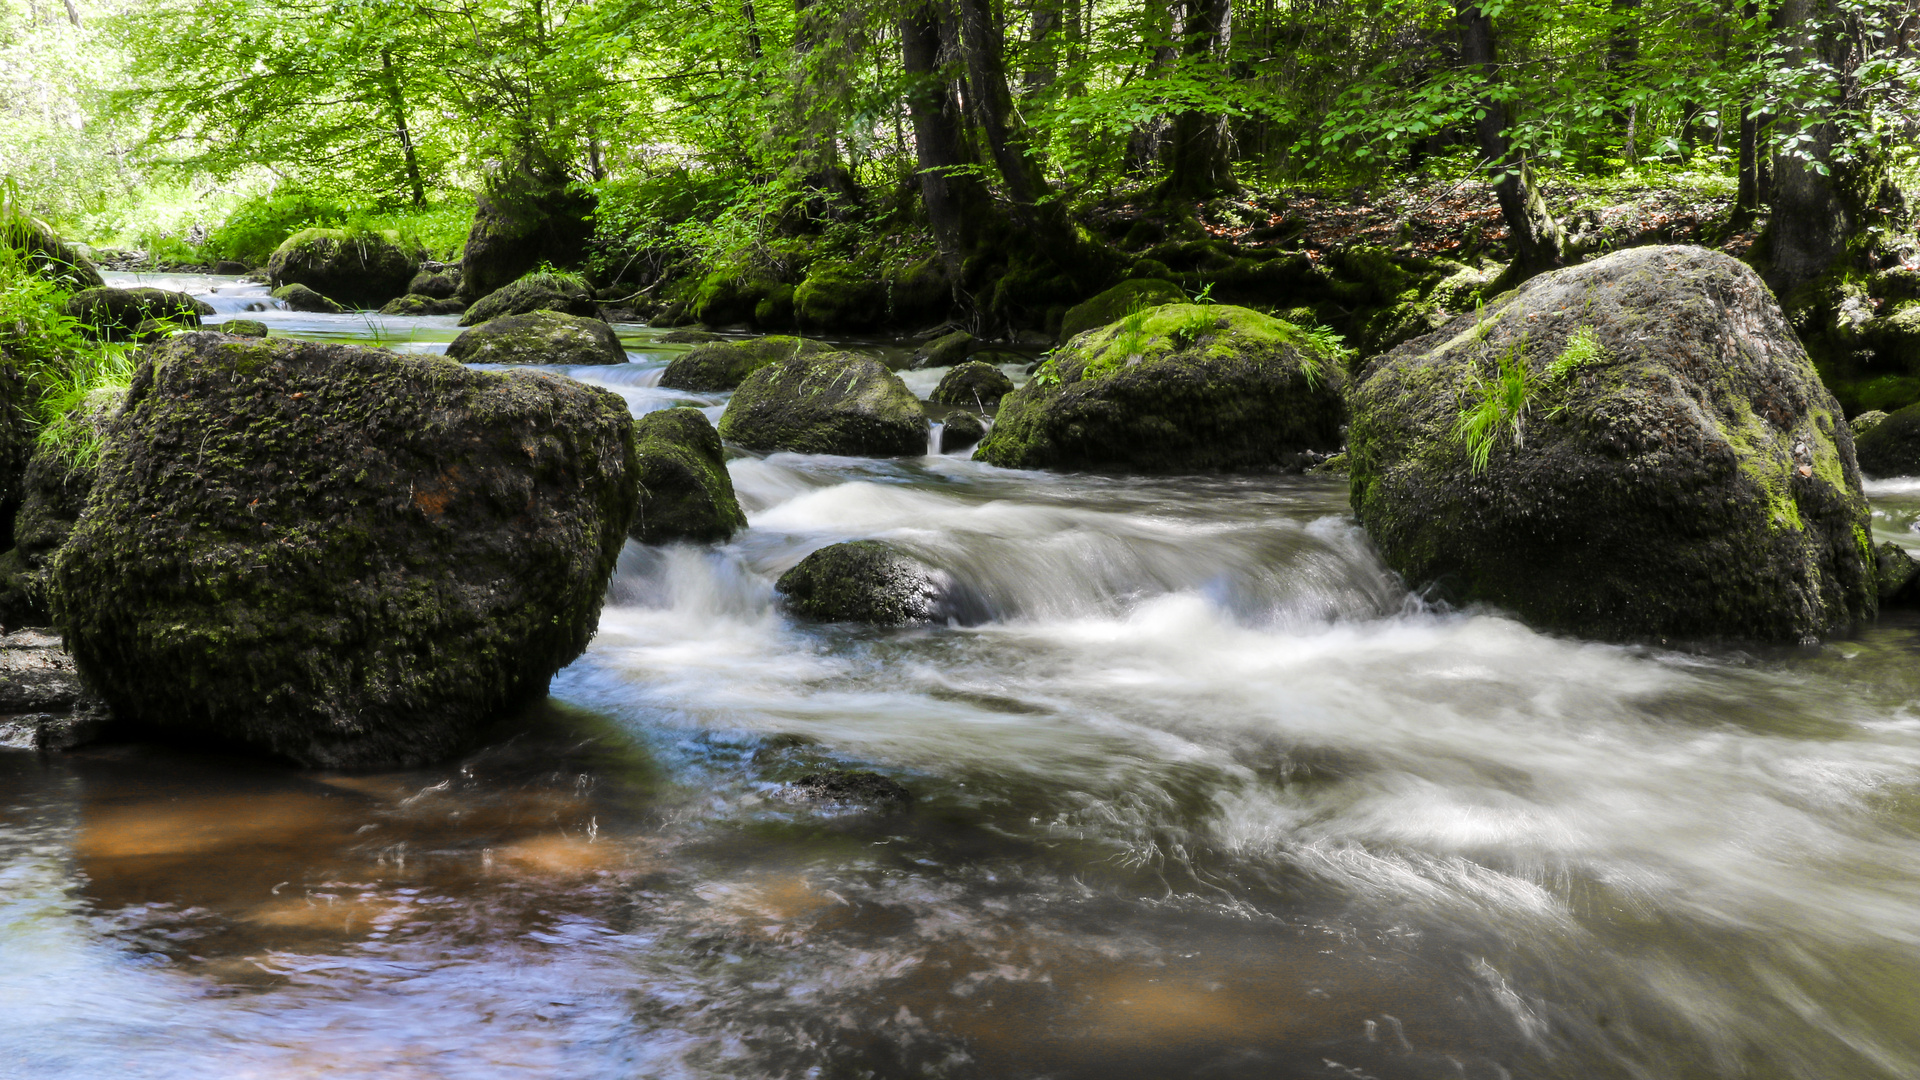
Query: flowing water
point(1204, 792)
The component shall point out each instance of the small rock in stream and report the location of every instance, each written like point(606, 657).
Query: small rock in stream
point(848, 790)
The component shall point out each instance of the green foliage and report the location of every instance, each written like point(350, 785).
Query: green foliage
point(1497, 405)
point(257, 226)
point(1582, 350)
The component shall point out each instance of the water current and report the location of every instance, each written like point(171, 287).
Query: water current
point(1204, 793)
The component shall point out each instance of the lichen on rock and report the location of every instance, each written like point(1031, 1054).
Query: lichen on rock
point(341, 555)
point(1689, 479)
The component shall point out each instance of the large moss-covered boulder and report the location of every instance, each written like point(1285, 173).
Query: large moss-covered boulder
point(685, 492)
point(362, 268)
point(114, 314)
point(1190, 388)
point(826, 403)
point(339, 555)
point(976, 383)
point(724, 365)
point(299, 297)
point(1890, 445)
point(520, 224)
point(539, 337)
point(49, 255)
point(1636, 448)
point(1111, 305)
point(864, 581)
point(535, 292)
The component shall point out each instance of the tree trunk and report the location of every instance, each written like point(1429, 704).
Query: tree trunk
point(1043, 51)
point(399, 106)
point(1623, 51)
point(1202, 158)
point(1746, 199)
point(993, 106)
point(1814, 211)
point(73, 13)
point(951, 195)
point(1534, 236)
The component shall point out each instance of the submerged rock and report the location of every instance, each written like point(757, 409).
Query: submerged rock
point(1188, 388)
point(417, 304)
point(535, 292)
point(848, 789)
point(724, 365)
point(341, 555)
point(1659, 459)
point(1111, 305)
point(827, 403)
point(864, 581)
point(973, 383)
point(1890, 446)
point(116, 314)
point(685, 492)
point(539, 337)
point(301, 298)
point(361, 268)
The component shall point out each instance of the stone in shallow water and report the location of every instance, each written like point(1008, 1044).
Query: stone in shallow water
point(539, 337)
point(685, 492)
point(830, 403)
point(339, 555)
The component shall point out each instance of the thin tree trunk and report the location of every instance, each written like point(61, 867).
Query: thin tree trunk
point(1812, 216)
point(993, 105)
point(1202, 162)
point(73, 13)
point(399, 106)
point(1746, 200)
point(1537, 242)
point(1623, 51)
point(949, 193)
point(1043, 53)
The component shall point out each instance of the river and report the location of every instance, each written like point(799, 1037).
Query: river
point(1206, 794)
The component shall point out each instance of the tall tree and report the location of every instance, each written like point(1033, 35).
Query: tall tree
point(1202, 164)
point(1535, 238)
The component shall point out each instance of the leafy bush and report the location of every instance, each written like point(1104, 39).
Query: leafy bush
point(41, 341)
point(257, 226)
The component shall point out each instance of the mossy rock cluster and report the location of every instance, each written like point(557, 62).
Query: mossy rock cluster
point(535, 292)
point(826, 403)
point(114, 314)
point(1660, 459)
point(975, 384)
point(852, 298)
point(685, 492)
point(299, 297)
point(1863, 331)
point(864, 581)
point(421, 304)
point(742, 297)
point(244, 328)
point(339, 555)
point(1110, 305)
point(723, 365)
point(360, 268)
point(1190, 388)
point(539, 337)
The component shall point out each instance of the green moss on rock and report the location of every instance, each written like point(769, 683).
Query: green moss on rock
point(1198, 388)
point(535, 292)
point(723, 365)
point(685, 492)
point(341, 555)
point(50, 256)
point(827, 403)
point(114, 314)
point(1109, 306)
point(419, 304)
point(839, 297)
point(1891, 447)
point(539, 337)
point(1695, 482)
point(299, 297)
point(244, 328)
point(862, 581)
point(361, 268)
point(945, 351)
point(975, 383)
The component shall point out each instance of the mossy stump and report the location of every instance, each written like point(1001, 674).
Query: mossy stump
point(339, 555)
point(1190, 388)
point(1660, 460)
